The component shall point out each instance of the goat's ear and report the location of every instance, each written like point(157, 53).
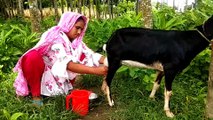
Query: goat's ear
point(208, 27)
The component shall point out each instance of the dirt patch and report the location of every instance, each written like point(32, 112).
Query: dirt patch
point(99, 108)
point(100, 112)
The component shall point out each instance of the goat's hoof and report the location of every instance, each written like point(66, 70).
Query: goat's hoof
point(111, 103)
point(169, 114)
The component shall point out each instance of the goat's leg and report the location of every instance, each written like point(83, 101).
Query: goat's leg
point(169, 77)
point(112, 68)
point(104, 86)
point(106, 91)
point(156, 84)
point(167, 95)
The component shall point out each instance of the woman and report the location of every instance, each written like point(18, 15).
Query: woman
point(51, 66)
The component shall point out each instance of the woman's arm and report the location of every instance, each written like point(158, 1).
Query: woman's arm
point(82, 69)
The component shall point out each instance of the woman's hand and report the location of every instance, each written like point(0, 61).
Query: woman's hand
point(101, 70)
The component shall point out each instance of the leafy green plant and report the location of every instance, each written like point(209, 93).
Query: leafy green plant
point(166, 18)
point(23, 38)
point(2, 75)
point(205, 7)
point(48, 22)
point(125, 6)
point(14, 116)
point(21, 108)
point(15, 40)
point(199, 67)
point(145, 76)
point(99, 31)
point(8, 54)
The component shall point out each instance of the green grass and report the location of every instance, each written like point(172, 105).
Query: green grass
point(131, 101)
point(54, 108)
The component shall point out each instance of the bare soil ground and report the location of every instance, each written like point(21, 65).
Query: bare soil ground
point(98, 108)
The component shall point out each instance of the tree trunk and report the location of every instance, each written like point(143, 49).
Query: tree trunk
point(35, 16)
point(79, 6)
point(90, 7)
point(109, 8)
point(40, 9)
point(105, 9)
point(62, 6)
point(56, 10)
point(146, 9)
point(68, 5)
point(209, 104)
point(7, 9)
point(71, 5)
point(84, 7)
point(137, 7)
point(97, 2)
point(3, 9)
point(11, 8)
point(20, 8)
point(51, 5)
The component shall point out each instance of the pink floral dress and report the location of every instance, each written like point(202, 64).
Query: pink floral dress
point(56, 78)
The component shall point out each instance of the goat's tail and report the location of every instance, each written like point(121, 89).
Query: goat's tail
point(104, 47)
point(105, 60)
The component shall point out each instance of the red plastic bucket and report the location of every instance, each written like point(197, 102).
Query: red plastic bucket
point(80, 101)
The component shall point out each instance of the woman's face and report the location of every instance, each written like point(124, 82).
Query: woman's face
point(76, 30)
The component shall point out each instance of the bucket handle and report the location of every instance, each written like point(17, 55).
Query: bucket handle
point(68, 97)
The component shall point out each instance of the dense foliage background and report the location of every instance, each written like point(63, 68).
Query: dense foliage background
point(130, 87)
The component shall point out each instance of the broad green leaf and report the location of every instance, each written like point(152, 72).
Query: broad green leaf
point(122, 69)
point(132, 73)
point(15, 116)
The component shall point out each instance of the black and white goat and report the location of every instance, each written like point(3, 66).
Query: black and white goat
point(167, 51)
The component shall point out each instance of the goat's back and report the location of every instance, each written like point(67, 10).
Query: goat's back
point(148, 46)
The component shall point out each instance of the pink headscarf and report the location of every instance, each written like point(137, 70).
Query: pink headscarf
point(66, 23)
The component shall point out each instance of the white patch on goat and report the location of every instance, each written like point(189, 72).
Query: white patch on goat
point(167, 95)
point(104, 47)
point(155, 65)
point(105, 89)
point(154, 89)
point(106, 62)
